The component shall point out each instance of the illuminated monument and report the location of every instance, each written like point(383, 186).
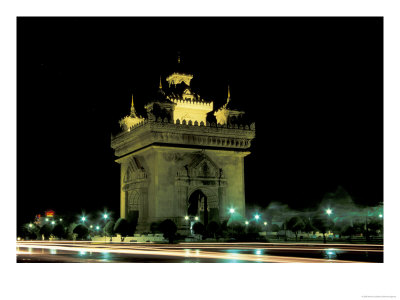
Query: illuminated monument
point(174, 163)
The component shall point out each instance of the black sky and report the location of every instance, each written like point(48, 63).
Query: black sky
point(314, 87)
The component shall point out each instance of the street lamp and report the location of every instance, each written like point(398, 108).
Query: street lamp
point(30, 225)
point(329, 211)
point(247, 222)
point(97, 227)
point(232, 210)
point(265, 223)
point(52, 222)
point(105, 216)
point(60, 220)
point(196, 218)
point(83, 219)
point(380, 216)
point(257, 217)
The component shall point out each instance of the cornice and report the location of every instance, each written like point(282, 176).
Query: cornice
point(146, 133)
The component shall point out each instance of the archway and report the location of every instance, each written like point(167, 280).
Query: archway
point(203, 203)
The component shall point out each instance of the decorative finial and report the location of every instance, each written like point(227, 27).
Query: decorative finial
point(179, 59)
point(160, 84)
point(229, 94)
point(133, 112)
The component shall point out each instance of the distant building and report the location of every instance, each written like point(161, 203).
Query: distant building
point(175, 164)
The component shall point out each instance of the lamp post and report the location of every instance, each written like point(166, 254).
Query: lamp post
point(188, 221)
point(328, 212)
point(105, 216)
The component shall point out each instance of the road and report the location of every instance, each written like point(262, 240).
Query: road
point(96, 252)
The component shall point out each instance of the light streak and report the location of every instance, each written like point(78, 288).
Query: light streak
point(181, 253)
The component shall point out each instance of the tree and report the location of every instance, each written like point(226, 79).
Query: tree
point(375, 227)
point(155, 227)
point(237, 230)
point(213, 228)
point(59, 231)
point(275, 228)
point(252, 231)
point(45, 231)
point(322, 224)
point(168, 228)
point(109, 228)
point(349, 231)
point(124, 228)
point(30, 232)
point(82, 231)
point(308, 228)
point(198, 228)
point(295, 224)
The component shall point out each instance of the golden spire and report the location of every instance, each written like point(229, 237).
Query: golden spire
point(133, 112)
point(229, 95)
point(160, 84)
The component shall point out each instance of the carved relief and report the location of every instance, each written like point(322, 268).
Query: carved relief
point(168, 156)
point(135, 172)
point(133, 201)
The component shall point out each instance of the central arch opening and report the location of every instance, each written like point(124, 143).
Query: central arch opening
point(198, 206)
point(204, 204)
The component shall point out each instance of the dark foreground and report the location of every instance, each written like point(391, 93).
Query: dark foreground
point(95, 252)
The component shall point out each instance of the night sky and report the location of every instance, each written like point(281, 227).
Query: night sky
point(314, 87)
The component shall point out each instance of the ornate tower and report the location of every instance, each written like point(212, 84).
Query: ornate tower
point(176, 164)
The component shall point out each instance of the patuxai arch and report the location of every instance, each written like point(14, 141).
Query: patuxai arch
point(183, 159)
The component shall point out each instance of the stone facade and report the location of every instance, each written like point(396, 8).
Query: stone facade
point(174, 167)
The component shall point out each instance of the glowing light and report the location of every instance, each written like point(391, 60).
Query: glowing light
point(247, 222)
point(47, 219)
point(186, 217)
point(97, 227)
point(265, 223)
point(83, 218)
point(185, 252)
point(257, 217)
point(30, 225)
point(52, 222)
point(18, 238)
point(91, 226)
point(105, 216)
point(60, 220)
point(380, 216)
point(232, 210)
point(329, 211)
point(196, 218)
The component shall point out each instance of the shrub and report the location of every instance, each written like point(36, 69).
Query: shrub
point(59, 231)
point(198, 228)
point(168, 228)
point(81, 230)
